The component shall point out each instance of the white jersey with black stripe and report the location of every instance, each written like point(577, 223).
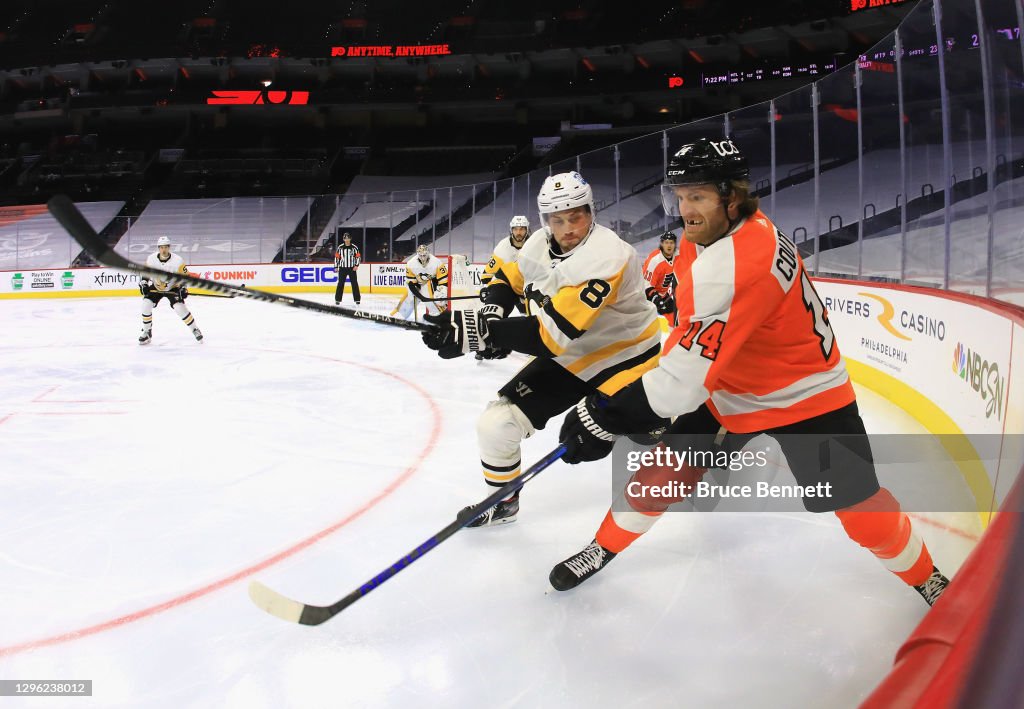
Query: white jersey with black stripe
point(591, 305)
point(174, 264)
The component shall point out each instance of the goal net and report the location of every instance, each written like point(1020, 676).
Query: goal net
point(462, 287)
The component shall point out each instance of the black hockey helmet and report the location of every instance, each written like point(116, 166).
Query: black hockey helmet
point(668, 236)
point(703, 162)
point(707, 162)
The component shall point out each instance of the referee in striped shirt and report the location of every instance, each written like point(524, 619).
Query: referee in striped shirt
point(346, 261)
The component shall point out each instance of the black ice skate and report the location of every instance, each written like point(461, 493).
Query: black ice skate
point(579, 567)
point(146, 337)
point(198, 334)
point(502, 513)
point(931, 589)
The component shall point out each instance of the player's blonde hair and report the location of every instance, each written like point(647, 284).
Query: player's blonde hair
point(739, 191)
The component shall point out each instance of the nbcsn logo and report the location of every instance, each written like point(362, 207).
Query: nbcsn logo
point(982, 376)
point(960, 361)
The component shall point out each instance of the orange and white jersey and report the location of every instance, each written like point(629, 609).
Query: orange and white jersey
point(658, 272)
point(686, 254)
point(174, 264)
point(753, 337)
point(590, 305)
point(504, 253)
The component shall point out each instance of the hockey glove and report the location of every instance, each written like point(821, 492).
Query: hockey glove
point(627, 413)
point(493, 353)
point(456, 333)
point(182, 293)
point(664, 304)
point(584, 438)
point(145, 286)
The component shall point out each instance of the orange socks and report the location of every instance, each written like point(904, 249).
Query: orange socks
point(637, 511)
point(878, 525)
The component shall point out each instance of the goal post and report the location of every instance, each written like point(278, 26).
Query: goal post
point(462, 282)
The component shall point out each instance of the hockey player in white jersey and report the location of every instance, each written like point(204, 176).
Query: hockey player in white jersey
point(428, 275)
point(588, 325)
point(154, 289)
point(507, 251)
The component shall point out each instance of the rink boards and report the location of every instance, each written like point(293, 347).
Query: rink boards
point(278, 278)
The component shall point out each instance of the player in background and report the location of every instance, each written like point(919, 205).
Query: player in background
point(507, 251)
point(428, 276)
point(588, 326)
point(346, 264)
point(753, 353)
point(659, 277)
point(155, 289)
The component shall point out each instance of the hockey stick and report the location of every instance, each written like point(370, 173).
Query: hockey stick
point(285, 608)
point(210, 295)
point(422, 298)
point(65, 212)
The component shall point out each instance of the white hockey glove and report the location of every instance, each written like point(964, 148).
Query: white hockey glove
point(456, 333)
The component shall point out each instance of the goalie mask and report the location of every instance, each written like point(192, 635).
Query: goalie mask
point(423, 254)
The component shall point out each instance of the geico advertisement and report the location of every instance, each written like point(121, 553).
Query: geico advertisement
point(954, 353)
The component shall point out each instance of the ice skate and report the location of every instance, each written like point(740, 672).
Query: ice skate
point(146, 337)
point(504, 512)
point(198, 334)
point(931, 589)
point(579, 567)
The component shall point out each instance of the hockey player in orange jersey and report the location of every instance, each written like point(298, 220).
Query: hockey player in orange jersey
point(659, 277)
point(753, 353)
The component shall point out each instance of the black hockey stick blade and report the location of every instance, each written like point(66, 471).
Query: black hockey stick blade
point(285, 608)
point(67, 214)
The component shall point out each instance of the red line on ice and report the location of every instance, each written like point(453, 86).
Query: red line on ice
point(946, 528)
point(435, 432)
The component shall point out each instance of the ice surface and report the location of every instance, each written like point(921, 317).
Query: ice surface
point(144, 486)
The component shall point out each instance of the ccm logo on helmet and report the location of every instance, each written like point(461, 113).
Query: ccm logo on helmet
point(724, 147)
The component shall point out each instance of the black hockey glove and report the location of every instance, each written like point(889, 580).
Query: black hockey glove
point(493, 353)
point(664, 304)
point(582, 435)
point(182, 292)
point(456, 333)
point(586, 428)
point(145, 286)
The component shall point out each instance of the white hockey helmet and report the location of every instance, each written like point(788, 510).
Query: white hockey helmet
point(519, 221)
point(566, 190)
point(163, 241)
